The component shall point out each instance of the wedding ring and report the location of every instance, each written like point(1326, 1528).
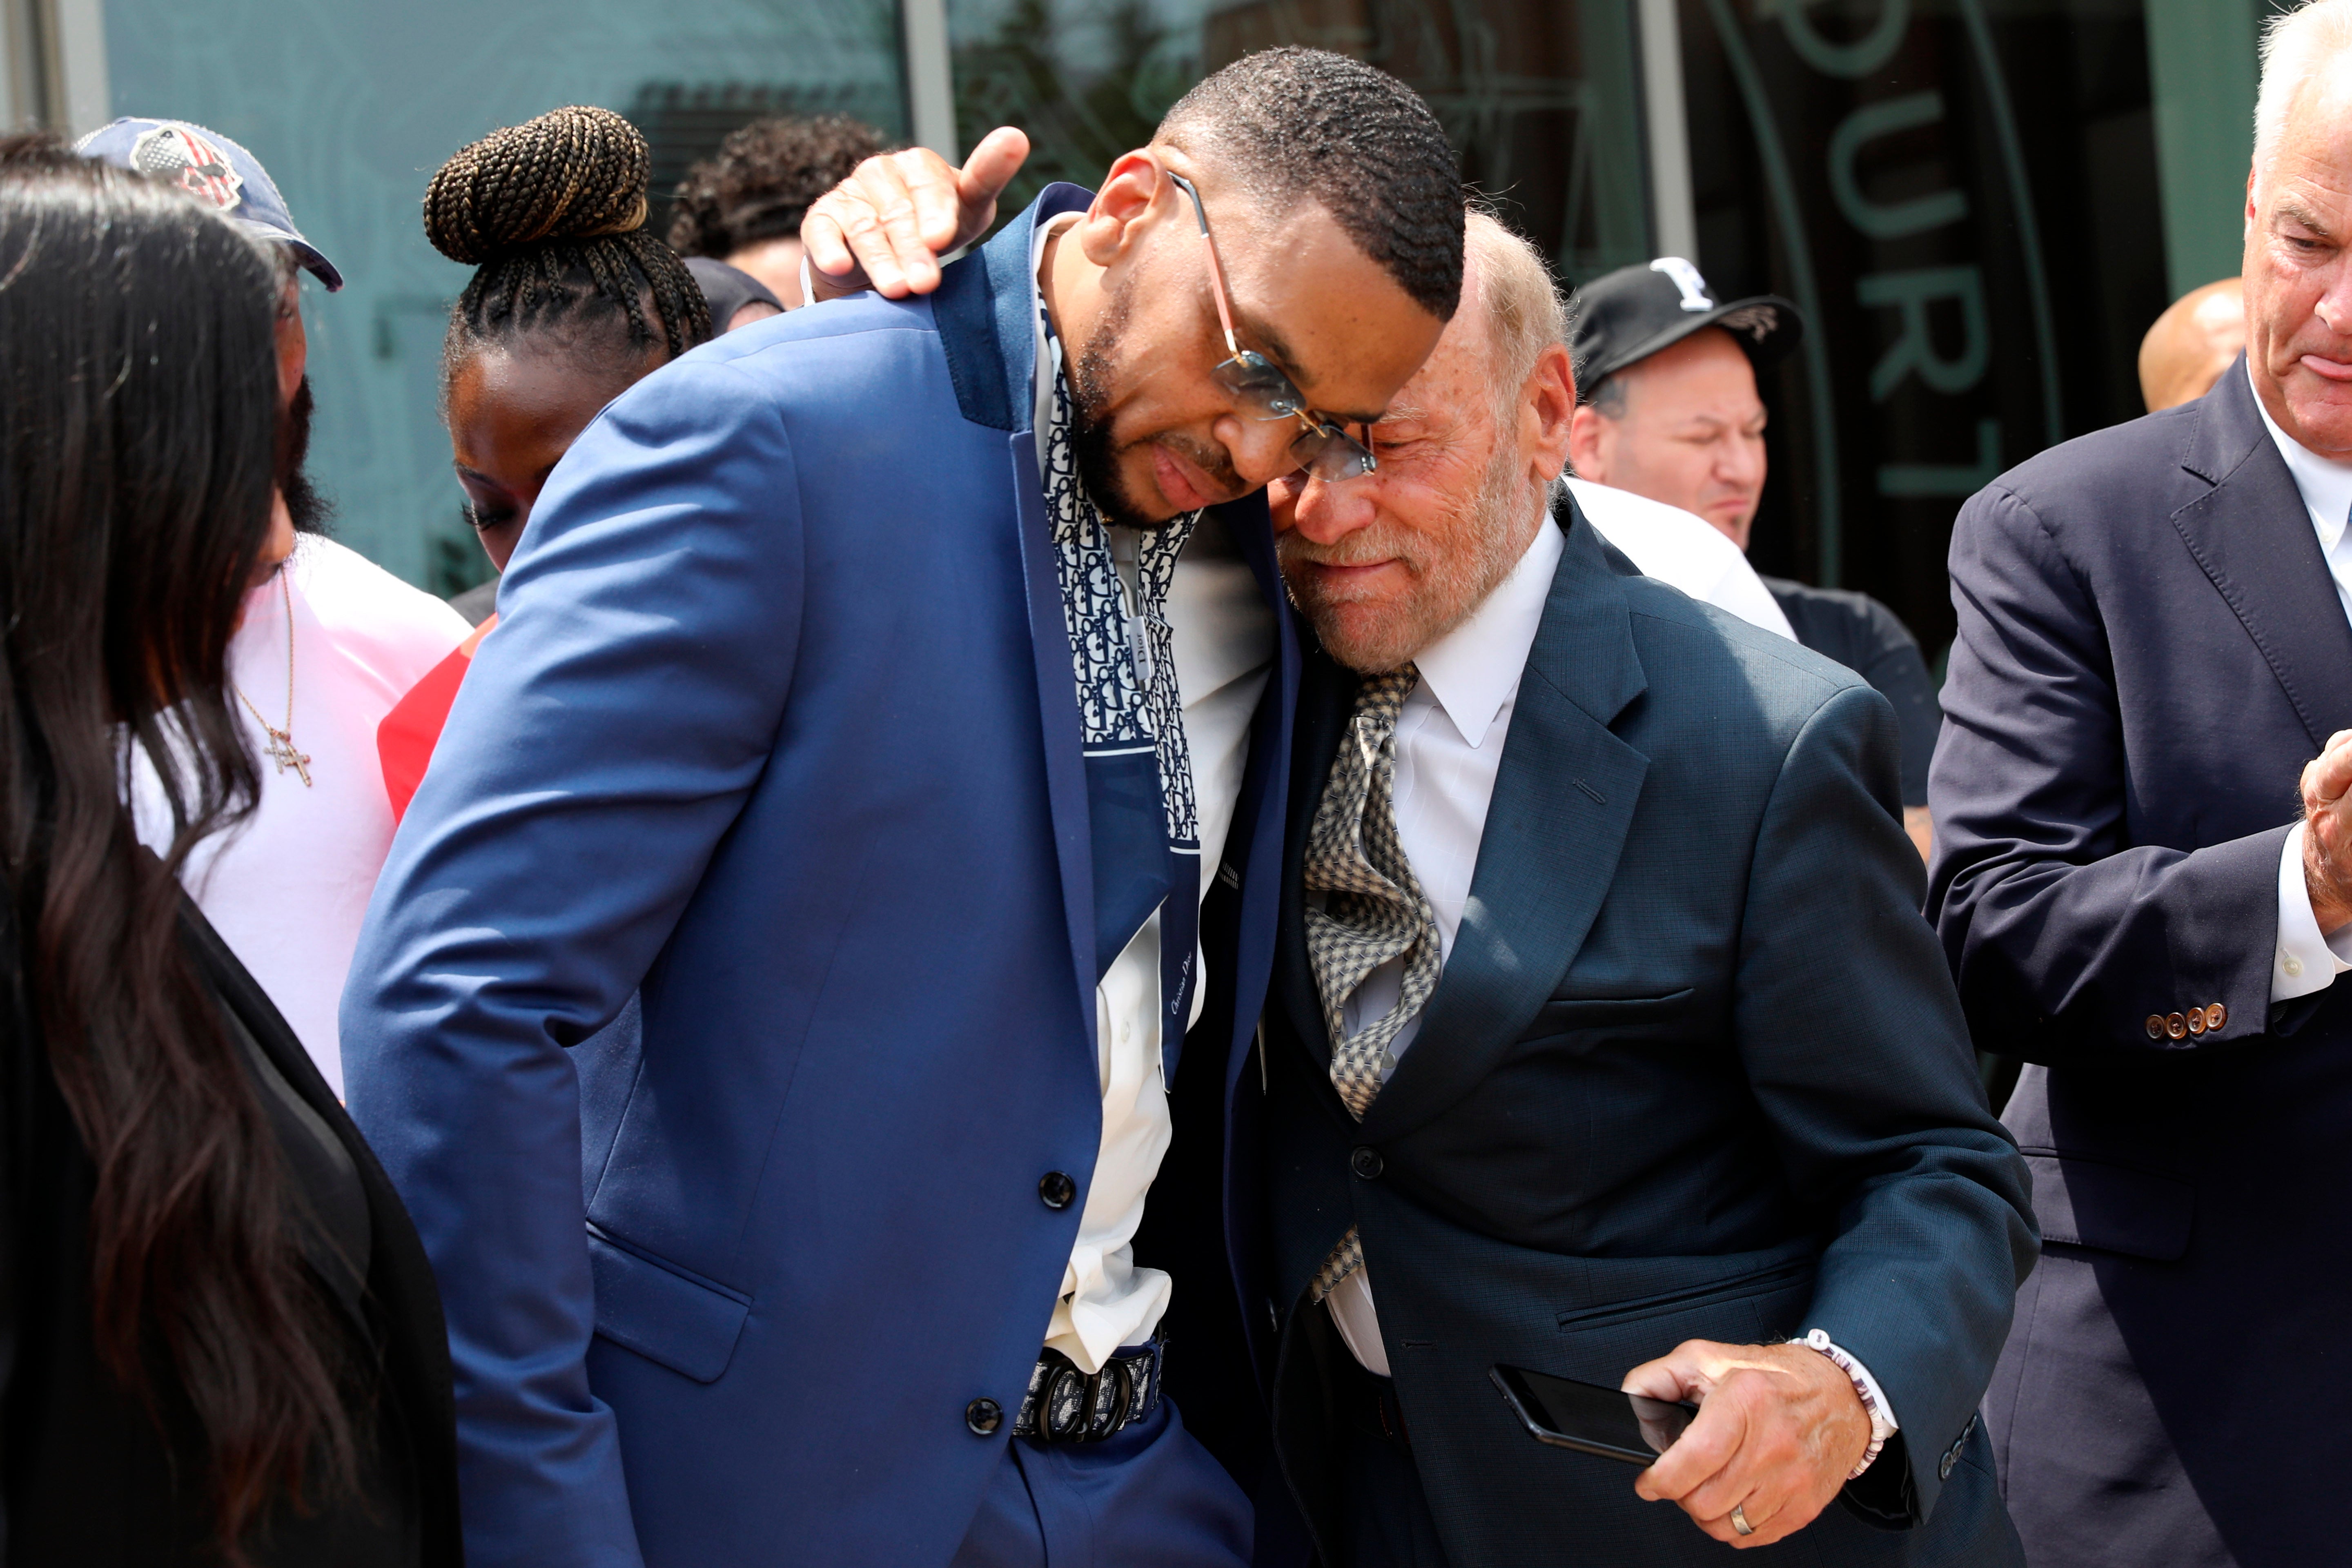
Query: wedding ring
point(1739, 1520)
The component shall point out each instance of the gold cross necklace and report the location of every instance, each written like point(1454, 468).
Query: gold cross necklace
point(281, 741)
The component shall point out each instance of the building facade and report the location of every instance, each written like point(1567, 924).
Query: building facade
point(1979, 204)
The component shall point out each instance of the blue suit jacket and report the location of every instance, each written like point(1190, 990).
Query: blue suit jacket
point(2150, 648)
point(777, 731)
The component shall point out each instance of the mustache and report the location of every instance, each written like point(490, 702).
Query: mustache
point(1209, 457)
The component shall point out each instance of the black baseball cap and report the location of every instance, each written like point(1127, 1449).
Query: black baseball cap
point(1625, 316)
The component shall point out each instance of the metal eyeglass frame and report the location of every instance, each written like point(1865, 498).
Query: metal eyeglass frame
point(1264, 392)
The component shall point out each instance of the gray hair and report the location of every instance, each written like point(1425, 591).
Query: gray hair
point(1524, 311)
point(2296, 48)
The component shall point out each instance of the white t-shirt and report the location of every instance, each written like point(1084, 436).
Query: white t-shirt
point(288, 889)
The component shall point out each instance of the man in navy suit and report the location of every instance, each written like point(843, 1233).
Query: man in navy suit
point(880, 706)
point(2153, 642)
point(1605, 1039)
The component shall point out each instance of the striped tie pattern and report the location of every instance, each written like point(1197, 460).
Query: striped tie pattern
point(1373, 911)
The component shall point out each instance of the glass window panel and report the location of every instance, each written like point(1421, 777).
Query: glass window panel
point(1962, 195)
point(352, 104)
point(1539, 97)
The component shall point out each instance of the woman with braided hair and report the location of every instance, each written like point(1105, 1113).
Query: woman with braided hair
point(572, 302)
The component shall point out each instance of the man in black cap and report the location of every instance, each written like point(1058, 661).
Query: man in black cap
point(1670, 411)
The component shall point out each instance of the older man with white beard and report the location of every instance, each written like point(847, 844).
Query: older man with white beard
point(1604, 1033)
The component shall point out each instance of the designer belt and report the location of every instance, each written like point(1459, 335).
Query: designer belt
point(1067, 1406)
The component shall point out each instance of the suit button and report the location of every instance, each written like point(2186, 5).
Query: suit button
point(2197, 1020)
point(1366, 1163)
point(2176, 1026)
point(1057, 1189)
point(984, 1416)
point(1944, 1471)
point(2156, 1026)
point(2216, 1015)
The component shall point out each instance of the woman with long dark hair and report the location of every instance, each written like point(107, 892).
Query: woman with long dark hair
point(219, 1340)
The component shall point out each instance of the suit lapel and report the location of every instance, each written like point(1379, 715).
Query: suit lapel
point(1326, 694)
point(2253, 536)
point(984, 311)
point(1563, 801)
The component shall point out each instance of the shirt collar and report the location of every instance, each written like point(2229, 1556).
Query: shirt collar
point(1048, 360)
point(2325, 484)
point(1474, 669)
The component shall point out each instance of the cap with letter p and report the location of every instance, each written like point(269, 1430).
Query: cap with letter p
point(212, 168)
point(1626, 316)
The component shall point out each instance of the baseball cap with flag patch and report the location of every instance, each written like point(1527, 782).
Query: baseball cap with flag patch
point(212, 168)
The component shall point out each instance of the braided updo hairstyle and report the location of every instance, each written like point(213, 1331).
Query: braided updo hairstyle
point(551, 212)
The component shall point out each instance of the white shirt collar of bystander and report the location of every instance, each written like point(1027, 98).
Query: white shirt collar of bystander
point(2325, 483)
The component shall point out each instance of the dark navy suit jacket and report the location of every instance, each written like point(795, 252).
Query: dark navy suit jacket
point(1693, 1069)
point(2151, 647)
point(778, 731)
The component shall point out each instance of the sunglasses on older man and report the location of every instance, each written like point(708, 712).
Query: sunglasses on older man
point(1263, 392)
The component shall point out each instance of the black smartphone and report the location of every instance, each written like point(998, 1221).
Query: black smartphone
point(1590, 1418)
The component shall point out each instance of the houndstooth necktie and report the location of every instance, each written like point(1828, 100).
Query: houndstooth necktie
point(1373, 911)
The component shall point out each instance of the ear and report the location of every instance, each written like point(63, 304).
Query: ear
point(1122, 209)
point(1587, 437)
point(1547, 413)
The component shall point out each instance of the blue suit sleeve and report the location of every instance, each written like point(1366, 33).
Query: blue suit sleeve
point(1858, 1055)
point(2064, 936)
point(604, 740)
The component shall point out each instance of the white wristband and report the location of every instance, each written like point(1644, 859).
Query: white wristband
point(1873, 1398)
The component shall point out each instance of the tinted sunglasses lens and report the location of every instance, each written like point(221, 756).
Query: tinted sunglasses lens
point(1259, 387)
point(1331, 455)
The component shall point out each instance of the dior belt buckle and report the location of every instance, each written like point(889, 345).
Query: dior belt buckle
point(1106, 1415)
point(1065, 1407)
point(1083, 1408)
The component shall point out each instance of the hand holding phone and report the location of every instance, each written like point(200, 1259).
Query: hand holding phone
point(1591, 1418)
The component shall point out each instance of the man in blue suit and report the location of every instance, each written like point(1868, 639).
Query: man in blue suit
point(2153, 642)
point(906, 724)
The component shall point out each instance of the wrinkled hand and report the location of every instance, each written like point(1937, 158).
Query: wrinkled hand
point(886, 226)
point(2327, 833)
point(1777, 1430)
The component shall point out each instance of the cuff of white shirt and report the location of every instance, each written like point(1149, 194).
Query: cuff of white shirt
point(2305, 960)
point(808, 281)
point(1883, 1423)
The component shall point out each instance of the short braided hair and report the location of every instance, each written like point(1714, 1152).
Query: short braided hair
point(552, 214)
point(1292, 124)
point(764, 179)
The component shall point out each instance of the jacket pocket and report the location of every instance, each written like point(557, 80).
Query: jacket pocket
point(677, 1320)
point(2112, 1208)
point(1693, 1298)
point(1610, 1015)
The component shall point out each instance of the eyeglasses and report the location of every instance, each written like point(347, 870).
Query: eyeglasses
point(1262, 391)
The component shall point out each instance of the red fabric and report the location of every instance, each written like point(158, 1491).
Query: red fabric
point(405, 741)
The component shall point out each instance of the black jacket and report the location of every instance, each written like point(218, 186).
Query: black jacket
point(2150, 648)
point(86, 1476)
point(1870, 640)
point(1693, 1069)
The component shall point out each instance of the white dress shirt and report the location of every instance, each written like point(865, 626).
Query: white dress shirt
point(1682, 550)
point(288, 889)
point(2305, 960)
point(1225, 644)
point(1449, 747)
